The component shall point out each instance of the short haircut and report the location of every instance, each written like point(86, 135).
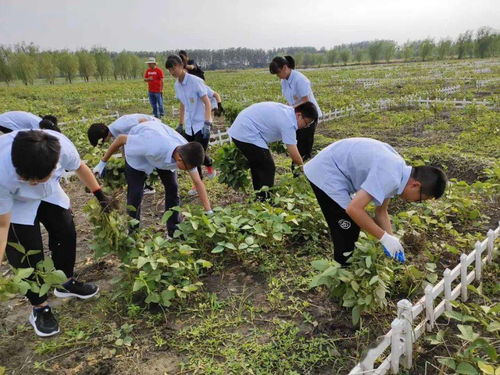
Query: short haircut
point(35, 154)
point(173, 60)
point(308, 110)
point(97, 132)
point(279, 62)
point(51, 118)
point(47, 124)
point(192, 154)
point(182, 53)
point(433, 180)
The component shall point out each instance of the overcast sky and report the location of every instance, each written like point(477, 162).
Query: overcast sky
point(164, 24)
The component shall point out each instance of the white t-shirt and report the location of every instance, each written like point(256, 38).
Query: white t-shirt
point(190, 92)
point(20, 120)
point(151, 146)
point(296, 87)
point(264, 123)
point(125, 123)
point(351, 164)
point(22, 199)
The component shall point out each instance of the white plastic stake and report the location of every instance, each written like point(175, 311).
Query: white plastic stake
point(463, 277)
point(429, 307)
point(491, 243)
point(479, 261)
point(405, 314)
point(447, 289)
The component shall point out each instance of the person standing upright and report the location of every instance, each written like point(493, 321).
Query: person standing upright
point(154, 77)
point(191, 66)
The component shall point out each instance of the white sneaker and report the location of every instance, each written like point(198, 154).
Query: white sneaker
point(192, 192)
point(149, 190)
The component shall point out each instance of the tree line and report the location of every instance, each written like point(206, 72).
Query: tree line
point(26, 62)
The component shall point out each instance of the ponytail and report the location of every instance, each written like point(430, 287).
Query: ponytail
point(279, 62)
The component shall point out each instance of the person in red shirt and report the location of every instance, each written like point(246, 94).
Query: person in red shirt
point(154, 77)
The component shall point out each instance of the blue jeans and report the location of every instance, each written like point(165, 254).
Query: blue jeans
point(156, 101)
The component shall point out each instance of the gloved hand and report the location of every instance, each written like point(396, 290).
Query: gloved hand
point(103, 200)
point(205, 131)
point(219, 110)
point(297, 170)
point(209, 212)
point(100, 168)
point(180, 128)
point(392, 247)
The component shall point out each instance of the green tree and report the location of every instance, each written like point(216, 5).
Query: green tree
point(389, 50)
point(485, 42)
point(68, 65)
point(104, 64)
point(332, 56)
point(408, 51)
point(122, 65)
point(426, 48)
point(47, 66)
point(374, 51)
point(137, 66)
point(345, 55)
point(87, 64)
point(465, 45)
point(443, 48)
point(6, 70)
point(358, 55)
point(25, 67)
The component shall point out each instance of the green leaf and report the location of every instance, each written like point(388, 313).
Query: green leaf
point(320, 265)
point(467, 333)
point(448, 362)
point(466, 369)
point(493, 326)
point(486, 368)
point(141, 261)
point(44, 289)
point(355, 315)
point(18, 247)
point(23, 273)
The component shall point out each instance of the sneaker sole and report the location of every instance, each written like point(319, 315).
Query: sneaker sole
point(39, 333)
point(148, 192)
point(60, 294)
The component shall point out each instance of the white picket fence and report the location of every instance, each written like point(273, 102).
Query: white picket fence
point(406, 329)
point(111, 102)
point(84, 119)
point(486, 82)
point(219, 138)
point(455, 103)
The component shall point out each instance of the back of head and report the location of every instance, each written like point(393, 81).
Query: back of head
point(35, 154)
point(192, 154)
point(97, 132)
point(182, 53)
point(51, 118)
point(433, 180)
point(308, 110)
point(47, 124)
point(173, 60)
point(279, 62)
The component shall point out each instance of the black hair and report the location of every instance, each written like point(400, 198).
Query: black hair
point(47, 124)
point(173, 60)
point(51, 118)
point(97, 132)
point(279, 62)
point(433, 180)
point(192, 154)
point(308, 110)
point(35, 154)
point(182, 53)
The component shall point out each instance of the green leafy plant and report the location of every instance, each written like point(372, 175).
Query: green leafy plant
point(232, 166)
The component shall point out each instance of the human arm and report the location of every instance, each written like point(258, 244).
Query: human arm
point(382, 217)
point(4, 232)
point(208, 108)
point(200, 188)
point(356, 210)
point(302, 100)
point(87, 177)
point(114, 147)
point(181, 113)
point(294, 153)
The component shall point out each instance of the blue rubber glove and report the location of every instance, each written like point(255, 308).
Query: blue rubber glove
point(205, 131)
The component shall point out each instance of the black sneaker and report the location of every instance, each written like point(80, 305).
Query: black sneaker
point(44, 322)
point(77, 289)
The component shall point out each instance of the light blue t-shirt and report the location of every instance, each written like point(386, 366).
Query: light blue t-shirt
point(125, 123)
point(20, 120)
point(264, 123)
point(190, 92)
point(22, 199)
point(296, 87)
point(351, 164)
point(211, 97)
point(151, 146)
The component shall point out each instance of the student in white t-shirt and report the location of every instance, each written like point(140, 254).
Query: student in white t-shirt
point(263, 123)
point(374, 172)
point(154, 146)
point(31, 166)
point(99, 133)
point(21, 120)
point(296, 88)
point(195, 110)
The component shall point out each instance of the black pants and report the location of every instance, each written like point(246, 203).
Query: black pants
point(5, 130)
point(262, 166)
point(343, 230)
point(198, 137)
point(135, 189)
point(62, 242)
point(305, 141)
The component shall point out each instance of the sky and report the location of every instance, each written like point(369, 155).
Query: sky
point(158, 25)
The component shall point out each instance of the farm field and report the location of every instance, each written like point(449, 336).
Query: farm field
point(235, 293)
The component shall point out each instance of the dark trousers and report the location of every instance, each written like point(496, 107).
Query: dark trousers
point(62, 242)
point(198, 137)
point(262, 166)
point(156, 101)
point(5, 130)
point(343, 230)
point(305, 141)
point(135, 189)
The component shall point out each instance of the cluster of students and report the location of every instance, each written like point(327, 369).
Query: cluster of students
point(345, 177)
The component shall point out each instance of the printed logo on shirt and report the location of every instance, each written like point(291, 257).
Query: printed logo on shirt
point(344, 224)
point(191, 100)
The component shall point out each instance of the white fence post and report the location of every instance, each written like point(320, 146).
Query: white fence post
point(491, 244)
point(396, 345)
point(463, 277)
point(429, 307)
point(405, 313)
point(479, 260)
point(447, 289)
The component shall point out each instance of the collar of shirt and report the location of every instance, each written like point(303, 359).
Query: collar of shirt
point(185, 80)
point(404, 179)
point(290, 78)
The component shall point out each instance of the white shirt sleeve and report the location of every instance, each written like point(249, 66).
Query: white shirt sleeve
point(289, 135)
point(69, 158)
point(6, 201)
point(201, 90)
point(303, 87)
point(381, 184)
